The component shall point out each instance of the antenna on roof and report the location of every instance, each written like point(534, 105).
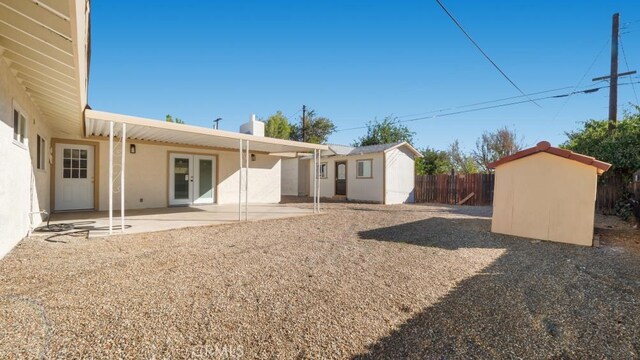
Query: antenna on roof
point(215, 123)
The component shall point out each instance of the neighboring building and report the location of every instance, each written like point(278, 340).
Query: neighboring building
point(378, 173)
point(546, 193)
point(56, 152)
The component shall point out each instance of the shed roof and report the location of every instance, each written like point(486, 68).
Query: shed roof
point(545, 146)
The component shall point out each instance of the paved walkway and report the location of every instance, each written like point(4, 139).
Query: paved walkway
point(149, 220)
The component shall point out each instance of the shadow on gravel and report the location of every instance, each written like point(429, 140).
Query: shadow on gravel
point(539, 300)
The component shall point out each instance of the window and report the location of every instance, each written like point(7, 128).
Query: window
point(74, 164)
point(41, 153)
point(19, 126)
point(363, 169)
point(323, 171)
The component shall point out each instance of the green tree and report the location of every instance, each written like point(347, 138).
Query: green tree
point(318, 129)
point(170, 119)
point(277, 126)
point(492, 146)
point(619, 147)
point(460, 161)
point(433, 162)
point(387, 131)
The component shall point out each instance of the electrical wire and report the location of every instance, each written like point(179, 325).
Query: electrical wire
point(485, 102)
point(624, 56)
point(586, 91)
point(582, 78)
point(296, 113)
point(482, 51)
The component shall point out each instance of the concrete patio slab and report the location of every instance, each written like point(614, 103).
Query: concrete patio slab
point(96, 223)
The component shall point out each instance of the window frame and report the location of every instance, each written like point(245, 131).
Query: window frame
point(326, 170)
point(41, 153)
point(21, 134)
point(370, 169)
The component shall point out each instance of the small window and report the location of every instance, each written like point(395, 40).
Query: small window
point(19, 126)
point(74, 164)
point(41, 153)
point(323, 171)
point(363, 169)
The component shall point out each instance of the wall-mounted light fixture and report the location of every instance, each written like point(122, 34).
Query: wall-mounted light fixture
point(132, 148)
point(253, 157)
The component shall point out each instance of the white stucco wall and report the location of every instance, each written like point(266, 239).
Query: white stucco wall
point(23, 188)
point(147, 176)
point(366, 189)
point(328, 185)
point(400, 176)
point(290, 177)
point(370, 190)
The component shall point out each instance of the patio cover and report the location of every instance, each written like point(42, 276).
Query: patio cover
point(110, 125)
point(97, 124)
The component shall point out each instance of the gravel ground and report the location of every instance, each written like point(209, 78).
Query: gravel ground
point(366, 281)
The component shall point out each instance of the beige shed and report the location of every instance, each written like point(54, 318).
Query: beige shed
point(546, 193)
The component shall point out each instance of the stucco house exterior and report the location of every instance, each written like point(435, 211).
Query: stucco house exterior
point(58, 154)
point(378, 173)
point(546, 193)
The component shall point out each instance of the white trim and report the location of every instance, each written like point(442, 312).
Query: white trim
point(246, 183)
point(407, 145)
point(240, 183)
point(123, 140)
point(110, 177)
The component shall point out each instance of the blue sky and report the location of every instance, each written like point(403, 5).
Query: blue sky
point(354, 61)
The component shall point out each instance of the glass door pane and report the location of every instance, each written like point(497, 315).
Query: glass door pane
point(181, 179)
point(205, 180)
point(342, 171)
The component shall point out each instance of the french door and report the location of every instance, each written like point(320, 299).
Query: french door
point(192, 179)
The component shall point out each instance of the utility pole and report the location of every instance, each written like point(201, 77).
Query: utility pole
point(613, 76)
point(304, 123)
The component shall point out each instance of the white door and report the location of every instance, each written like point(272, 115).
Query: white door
point(204, 179)
point(74, 177)
point(192, 179)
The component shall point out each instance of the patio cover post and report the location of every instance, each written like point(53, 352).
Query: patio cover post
point(319, 176)
point(110, 177)
point(315, 178)
point(240, 184)
point(246, 184)
point(123, 141)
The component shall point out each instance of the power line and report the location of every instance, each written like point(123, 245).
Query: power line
point(582, 78)
point(624, 56)
point(294, 114)
point(586, 91)
point(482, 51)
point(486, 102)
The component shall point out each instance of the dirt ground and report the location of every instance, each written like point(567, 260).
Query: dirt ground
point(359, 281)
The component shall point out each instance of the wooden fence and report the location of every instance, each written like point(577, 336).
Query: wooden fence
point(611, 188)
point(458, 188)
point(469, 189)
